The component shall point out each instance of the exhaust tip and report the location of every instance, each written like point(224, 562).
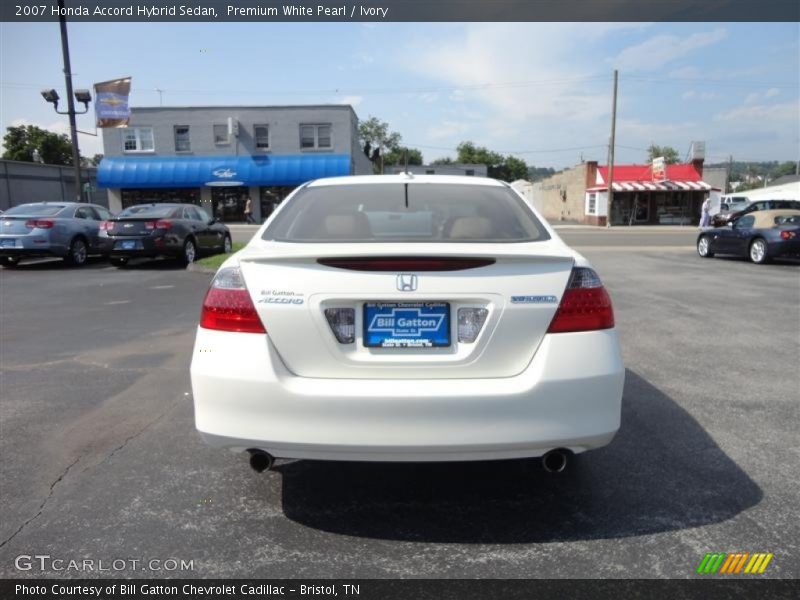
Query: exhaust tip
point(261, 461)
point(556, 460)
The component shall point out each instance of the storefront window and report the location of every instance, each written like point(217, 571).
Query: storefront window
point(228, 202)
point(131, 197)
point(592, 205)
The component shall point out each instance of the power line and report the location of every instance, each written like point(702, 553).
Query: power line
point(538, 151)
point(707, 81)
point(398, 90)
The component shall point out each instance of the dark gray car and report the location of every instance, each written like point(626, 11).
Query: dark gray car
point(68, 230)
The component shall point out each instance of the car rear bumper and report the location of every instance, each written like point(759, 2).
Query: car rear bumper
point(784, 248)
point(568, 397)
point(146, 247)
point(25, 246)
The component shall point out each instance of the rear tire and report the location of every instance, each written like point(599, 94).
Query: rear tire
point(9, 262)
point(704, 247)
point(189, 252)
point(758, 251)
point(78, 253)
point(118, 262)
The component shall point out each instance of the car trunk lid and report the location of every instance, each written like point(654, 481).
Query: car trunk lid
point(517, 285)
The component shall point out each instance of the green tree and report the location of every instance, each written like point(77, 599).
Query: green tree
point(21, 141)
point(508, 168)
point(537, 173)
point(96, 160)
point(670, 154)
point(397, 156)
point(445, 160)
point(469, 153)
point(513, 168)
point(376, 139)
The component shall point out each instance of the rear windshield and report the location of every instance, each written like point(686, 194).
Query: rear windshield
point(35, 210)
point(406, 213)
point(148, 211)
point(787, 220)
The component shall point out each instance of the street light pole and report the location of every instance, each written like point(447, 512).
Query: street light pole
point(73, 128)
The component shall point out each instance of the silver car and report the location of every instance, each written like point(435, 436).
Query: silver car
point(68, 230)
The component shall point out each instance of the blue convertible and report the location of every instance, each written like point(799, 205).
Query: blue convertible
point(760, 235)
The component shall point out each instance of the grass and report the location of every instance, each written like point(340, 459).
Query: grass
point(215, 260)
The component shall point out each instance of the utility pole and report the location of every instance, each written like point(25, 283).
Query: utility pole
point(73, 128)
point(611, 150)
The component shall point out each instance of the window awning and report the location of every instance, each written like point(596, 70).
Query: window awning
point(654, 186)
point(197, 171)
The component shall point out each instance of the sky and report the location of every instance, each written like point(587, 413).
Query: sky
point(539, 91)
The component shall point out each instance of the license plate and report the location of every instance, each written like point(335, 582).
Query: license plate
point(406, 324)
point(8, 243)
point(127, 245)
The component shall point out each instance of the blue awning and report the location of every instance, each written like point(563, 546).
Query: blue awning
point(196, 171)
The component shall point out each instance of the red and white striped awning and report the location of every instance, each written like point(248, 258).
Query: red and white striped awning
point(654, 186)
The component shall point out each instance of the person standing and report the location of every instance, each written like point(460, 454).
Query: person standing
point(248, 210)
point(705, 213)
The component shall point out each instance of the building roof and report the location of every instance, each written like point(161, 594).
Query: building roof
point(785, 179)
point(642, 173)
point(636, 178)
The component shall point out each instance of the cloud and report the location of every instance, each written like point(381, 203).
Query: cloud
point(686, 73)
point(761, 114)
point(754, 97)
point(351, 100)
point(659, 50)
point(693, 95)
point(448, 129)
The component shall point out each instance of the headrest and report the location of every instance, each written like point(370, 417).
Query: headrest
point(471, 228)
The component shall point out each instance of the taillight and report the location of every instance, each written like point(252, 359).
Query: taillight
point(585, 305)
point(227, 305)
point(106, 225)
point(160, 224)
point(39, 224)
point(787, 235)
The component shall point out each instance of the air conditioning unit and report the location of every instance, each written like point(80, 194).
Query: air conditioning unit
point(233, 127)
point(698, 151)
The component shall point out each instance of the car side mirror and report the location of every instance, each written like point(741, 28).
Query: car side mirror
point(213, 220)
point(730, 224)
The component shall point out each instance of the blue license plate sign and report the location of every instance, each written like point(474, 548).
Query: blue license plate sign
point(406, 324)
point(8, 243)
point(127, 245)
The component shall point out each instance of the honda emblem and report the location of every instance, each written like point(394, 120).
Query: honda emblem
point(407, 282)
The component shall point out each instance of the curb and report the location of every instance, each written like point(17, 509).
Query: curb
point(195, 268)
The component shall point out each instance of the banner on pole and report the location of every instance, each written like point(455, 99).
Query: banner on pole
point(111, 102)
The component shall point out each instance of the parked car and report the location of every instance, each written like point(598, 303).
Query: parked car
point(68, 230)
point(178, 231)
point(762, 205)
point(398, 318)
point(759, 235)
point(721, 218)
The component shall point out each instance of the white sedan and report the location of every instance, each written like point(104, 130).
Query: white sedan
point(407, 318)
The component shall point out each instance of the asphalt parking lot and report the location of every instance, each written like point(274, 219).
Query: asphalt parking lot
point(99, 458)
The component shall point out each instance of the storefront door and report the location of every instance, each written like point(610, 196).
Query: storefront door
point(228, 203)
